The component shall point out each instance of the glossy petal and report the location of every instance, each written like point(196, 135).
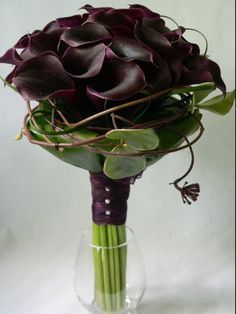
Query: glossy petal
point(146, 12)
point(84, 62)
point(11, 57)
point(40, 77)
point(157, 24)
point(90, 9)
point(85, 34)
point(65, 22)
point(111, 18)
point(195, 76)
point(202, 64)
point(51, 26)
point(71, 21)
point(11, 75)
point(23, 42)
point(184, 48)
point(136, 14)
point(159, 43)
point(157, 74)
point(40, 43)
point(121, 30)
point(175, 35)
point(118, 81)
point(129, 49)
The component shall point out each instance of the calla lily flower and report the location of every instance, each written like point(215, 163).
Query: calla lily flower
point(106, 54)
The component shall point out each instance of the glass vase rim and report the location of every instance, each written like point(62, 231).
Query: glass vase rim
point(100, 247)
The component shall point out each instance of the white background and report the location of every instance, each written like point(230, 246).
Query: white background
point(45, 203)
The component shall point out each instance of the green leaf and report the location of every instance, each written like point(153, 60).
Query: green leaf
point(221, 104)
point(199, 95)
point(76, 156)
point(119, 167)
point(79, 157)
point(195, 88)
point(143, 139)
point(170, 139)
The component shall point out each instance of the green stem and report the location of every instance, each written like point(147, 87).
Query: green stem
point(110, 261)
point(112, 265)
point(99, 284)
point(105, 266)
point(117, 266)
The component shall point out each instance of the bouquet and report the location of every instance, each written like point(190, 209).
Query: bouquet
point(115, 90)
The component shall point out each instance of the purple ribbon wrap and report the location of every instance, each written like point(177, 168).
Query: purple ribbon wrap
point(110, 198)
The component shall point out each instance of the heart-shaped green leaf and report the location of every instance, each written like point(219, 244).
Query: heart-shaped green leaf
point(221, 104)
point(119, 167)
point(142, 139)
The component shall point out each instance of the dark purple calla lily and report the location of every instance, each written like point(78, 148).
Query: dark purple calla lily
point(11, 57)
point(71, 21)
point(146, 12)
point(118, 81)
point(88, 33)
point(201, 64)
point(157, 24)
point(129, 49)
point(90, 9)
point(23, 42)
point(40, 43)
point(159, 43)
point(157, 74)
point(65, 22)
point(84, 62)
point(106, 54)
point(111, 18)
point(40, 77)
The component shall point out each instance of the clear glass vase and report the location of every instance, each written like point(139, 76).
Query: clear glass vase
point(109, 279)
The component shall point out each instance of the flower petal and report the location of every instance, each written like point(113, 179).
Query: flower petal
point(71, 21)
point(40, 77)
point(118, 81)
point(23, 42)
point(157, 24)
point(85, 34)
point(121, 30)
point(11, 57)
point(90, 9)
point(195, 77)
point(129, 49)
point(11, 75)
point(84, 62)
point(111, 18)
point(40, 43)
point(201, 64)
point(146, 12)
point(157, 74)
point(159, 43)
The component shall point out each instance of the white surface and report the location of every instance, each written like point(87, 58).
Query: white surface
point(45, 204)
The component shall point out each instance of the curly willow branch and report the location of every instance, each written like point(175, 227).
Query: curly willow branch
point(188, 192)
point(87, 143)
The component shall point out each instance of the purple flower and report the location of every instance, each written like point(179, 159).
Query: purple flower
point(106, 54)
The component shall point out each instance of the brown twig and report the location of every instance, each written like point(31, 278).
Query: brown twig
point(123, 106)
point(59, 113)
